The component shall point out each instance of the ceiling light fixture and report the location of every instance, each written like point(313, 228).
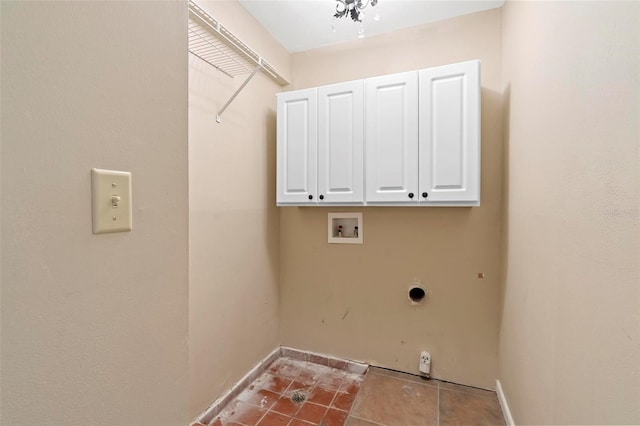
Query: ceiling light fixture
point(353, 9)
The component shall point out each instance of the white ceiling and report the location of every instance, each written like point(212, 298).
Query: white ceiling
point(306, 24)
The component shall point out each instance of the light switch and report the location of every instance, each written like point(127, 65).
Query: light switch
point(111, 201)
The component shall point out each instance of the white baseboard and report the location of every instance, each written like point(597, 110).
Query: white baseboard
point(508, 418)
point(215, 408)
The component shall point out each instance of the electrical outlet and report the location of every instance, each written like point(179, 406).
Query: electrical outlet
point(425, 363)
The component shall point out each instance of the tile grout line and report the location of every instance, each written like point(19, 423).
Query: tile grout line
point(367, 420)
point(475, 395)
point(353, 404)
point(437, 382)
point(335, 395)
point(263, 416)
point(469, 390)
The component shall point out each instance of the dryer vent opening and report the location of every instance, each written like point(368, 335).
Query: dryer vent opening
point(417, 295)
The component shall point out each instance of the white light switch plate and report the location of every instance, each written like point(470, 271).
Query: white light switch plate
point(111, 201)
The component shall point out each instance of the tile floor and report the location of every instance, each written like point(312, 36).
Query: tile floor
point(335, 397)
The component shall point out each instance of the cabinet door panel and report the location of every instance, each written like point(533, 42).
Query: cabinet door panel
point(450, 133)
point(340, 142)
point(297, 147)
point(392, 138)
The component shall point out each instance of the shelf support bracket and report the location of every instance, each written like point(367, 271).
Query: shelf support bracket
point(219, 114)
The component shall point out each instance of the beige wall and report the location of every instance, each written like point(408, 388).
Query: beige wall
point(233, 221)
point(94, 326)
point(351, 300)
point(569, 347)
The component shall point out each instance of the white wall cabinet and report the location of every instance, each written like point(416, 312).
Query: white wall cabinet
point(320, 145)
point(392, 138)
point(297, 152)
point(450, 133)
point(407, 139)
point(340, 143)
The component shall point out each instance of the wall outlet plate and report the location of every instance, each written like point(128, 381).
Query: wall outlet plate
point(425, 362)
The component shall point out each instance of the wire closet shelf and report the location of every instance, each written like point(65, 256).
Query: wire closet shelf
point(210, 41)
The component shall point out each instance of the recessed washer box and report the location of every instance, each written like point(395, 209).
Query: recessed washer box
point(345, 228)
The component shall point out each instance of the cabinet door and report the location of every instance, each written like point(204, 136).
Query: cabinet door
point(297, 147)
point(391, 135)
point(450, 133)
point(340, 143)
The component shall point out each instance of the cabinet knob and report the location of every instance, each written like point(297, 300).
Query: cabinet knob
point(321, 197)
point(311, 197)
point(411, 195)
point(425, 194)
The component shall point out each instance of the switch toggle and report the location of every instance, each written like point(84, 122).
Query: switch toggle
point(111, 201)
